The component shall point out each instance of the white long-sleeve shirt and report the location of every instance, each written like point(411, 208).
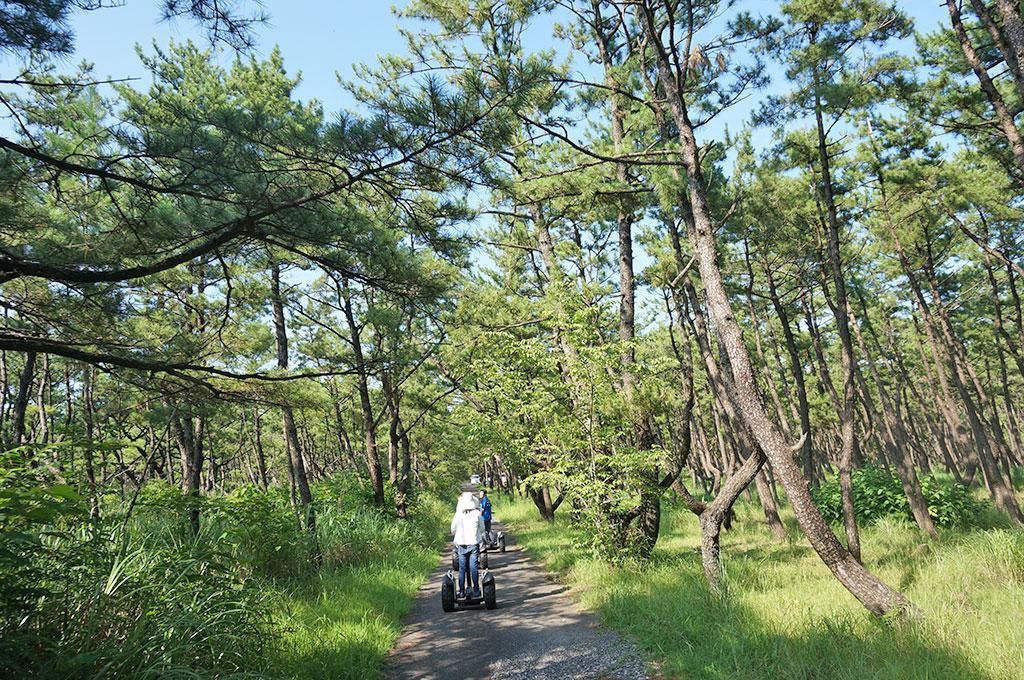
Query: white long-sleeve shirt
point(467, 527)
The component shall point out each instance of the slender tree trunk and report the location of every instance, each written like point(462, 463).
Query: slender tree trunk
point(556, 281)
point(768, 505)
point(293, 448)
point(28, 374)
point(399, 444)
point(184, 430)
point(42, 401)
point(797, 369)
point(847, 402)
point(624, 216)
point(1011, 279)
point(874, 594)
point(89, 378)
point(5, 385)
point(261, 459)
point(365, 406)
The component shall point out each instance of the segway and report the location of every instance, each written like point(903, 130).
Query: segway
point(449, 601)
point(493, 541)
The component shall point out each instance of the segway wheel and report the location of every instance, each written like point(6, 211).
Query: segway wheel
point(490, 595)
point(483, 560)
point(501, 543)
point(448, 593)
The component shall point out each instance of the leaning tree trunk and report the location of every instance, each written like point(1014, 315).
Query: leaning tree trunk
point(871, 591)
point(716, 514)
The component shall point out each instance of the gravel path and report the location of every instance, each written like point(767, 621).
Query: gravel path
point(536, 632)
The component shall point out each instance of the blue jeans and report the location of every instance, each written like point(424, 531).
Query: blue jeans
point(468, 554)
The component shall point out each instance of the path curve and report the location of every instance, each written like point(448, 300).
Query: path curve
point(536, 632)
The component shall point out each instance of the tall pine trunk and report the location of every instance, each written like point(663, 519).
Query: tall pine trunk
point(293, 447)
point(872, 592)
point(365, 405)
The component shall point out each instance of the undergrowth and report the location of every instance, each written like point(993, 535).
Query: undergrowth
point(252, 595)
point(783, 615)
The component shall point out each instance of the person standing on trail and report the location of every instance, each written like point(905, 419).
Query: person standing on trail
point(467, 529)
point(485, 513)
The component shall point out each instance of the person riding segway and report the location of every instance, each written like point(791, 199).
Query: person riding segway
point(491, 540)
point(467, 528)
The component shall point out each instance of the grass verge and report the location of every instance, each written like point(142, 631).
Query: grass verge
point(342, 621)
point(783, 615)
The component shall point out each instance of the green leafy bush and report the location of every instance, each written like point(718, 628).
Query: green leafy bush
point(83, 598)
point(877, 493)
point(360, 534)
point(949, 503)
point(262, 532)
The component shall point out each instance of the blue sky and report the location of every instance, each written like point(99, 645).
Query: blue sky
point(317, 38)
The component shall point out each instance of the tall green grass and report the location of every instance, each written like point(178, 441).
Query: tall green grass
point(84, 599)
point(783, 616)
point(342, 621)
point(253, 595)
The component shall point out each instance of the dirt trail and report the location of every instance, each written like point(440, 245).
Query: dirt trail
point(536, 631)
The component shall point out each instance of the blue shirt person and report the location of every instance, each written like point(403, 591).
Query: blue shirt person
point(485, 511)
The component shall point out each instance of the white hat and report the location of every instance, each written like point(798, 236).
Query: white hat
point(467, 501)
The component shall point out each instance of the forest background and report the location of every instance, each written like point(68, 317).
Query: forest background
point(689, 276)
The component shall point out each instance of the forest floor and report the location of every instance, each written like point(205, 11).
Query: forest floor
point(784, 617)
point(536, 631)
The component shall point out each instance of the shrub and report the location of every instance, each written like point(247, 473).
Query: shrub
point(262, 532)
point(83, 598)
point(949, 503)
point(363, 534)
point(877, 493)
